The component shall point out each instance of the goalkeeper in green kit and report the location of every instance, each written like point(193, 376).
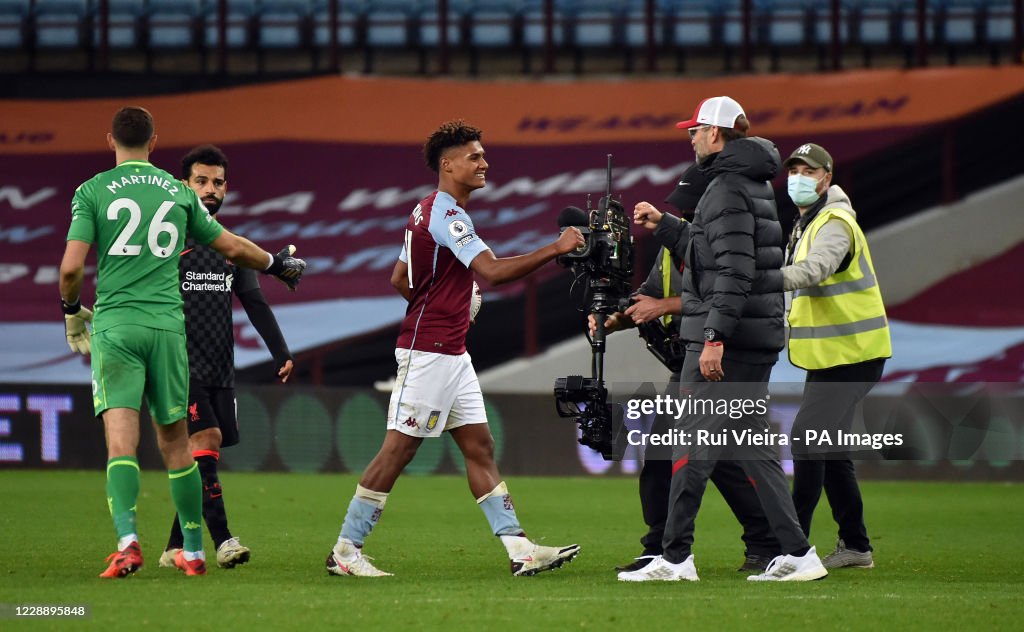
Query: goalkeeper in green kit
point(138, 216)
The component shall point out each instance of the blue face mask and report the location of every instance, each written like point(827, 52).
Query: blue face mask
point(803, 190)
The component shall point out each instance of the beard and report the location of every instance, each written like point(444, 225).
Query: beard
point(212, 204)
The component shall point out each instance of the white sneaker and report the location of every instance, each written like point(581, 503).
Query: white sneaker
point(348, 559)
point(661, 570)
point(790, 568)
point(542, 558)
point(167, 558)
point(231, 553)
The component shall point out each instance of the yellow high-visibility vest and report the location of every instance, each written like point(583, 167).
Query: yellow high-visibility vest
point(666, 281)
point(841, 320)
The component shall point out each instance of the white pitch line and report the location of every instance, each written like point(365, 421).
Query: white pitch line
point(658, 597)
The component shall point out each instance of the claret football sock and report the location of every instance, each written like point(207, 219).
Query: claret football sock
point(499, 511)
point(187, 492)
point(122, 494)
point(363, 514)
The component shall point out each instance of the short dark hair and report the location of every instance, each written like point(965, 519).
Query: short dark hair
point(450, 134)
point(132, 127)
point(737, 131)
point(204, 155)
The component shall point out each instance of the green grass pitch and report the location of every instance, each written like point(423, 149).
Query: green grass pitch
point(948, 556)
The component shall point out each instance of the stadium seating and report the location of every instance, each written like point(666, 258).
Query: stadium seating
point(690, 23)
point(494, 24)
point(999, 21)
point(241, 22)
point(390, 23)
point(595, 24)
point(428, 33)
point(350, 26)
point(635, 34)
point(959, 21)
point(534, 24)
point(123, 24)
point(62, 24)
point(685, 28)
point(876, 21)
point(691, 26)
point(821, 15)
point(285, 24)
point(14, 24)
point(174, 24)
point(786, 24)
point(908, 24)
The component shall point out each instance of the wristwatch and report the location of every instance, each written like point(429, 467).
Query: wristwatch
point(710, 335)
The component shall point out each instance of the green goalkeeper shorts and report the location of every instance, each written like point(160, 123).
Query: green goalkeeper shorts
point(131, 360)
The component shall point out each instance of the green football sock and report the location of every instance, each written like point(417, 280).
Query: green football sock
point(187, 492)
point(123, 492)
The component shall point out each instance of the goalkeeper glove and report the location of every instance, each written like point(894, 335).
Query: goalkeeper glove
point(287, 268)
point(75, 319)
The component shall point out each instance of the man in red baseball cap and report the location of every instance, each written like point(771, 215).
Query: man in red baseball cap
point(718, 111)
point(732, 326)
point(659, 297)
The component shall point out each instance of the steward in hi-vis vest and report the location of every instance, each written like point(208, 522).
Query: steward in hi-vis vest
point(839, 333)
point(841, 320)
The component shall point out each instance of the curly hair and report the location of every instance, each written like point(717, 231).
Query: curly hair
point(204, 155)
point(450, 134)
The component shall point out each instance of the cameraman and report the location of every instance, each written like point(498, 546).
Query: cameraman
point(659, 297)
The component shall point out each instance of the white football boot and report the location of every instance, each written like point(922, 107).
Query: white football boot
point(167, 558)
point(347, 559)
point(537, 558)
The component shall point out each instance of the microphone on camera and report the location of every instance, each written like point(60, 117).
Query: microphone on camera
point(573, 216)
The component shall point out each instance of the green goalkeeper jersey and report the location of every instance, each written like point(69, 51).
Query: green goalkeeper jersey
point(137, 216)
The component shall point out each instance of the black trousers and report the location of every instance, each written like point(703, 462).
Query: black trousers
point(732, 483)
point(692, 467)
point(829, 402)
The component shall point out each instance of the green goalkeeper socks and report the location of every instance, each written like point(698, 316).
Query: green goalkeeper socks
point(122, 493)
point(187, 492)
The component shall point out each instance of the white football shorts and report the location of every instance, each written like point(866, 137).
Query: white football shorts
point(434, 392)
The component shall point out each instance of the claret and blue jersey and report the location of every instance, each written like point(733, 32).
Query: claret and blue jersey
point(440, 244)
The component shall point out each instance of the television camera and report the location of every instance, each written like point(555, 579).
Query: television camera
point(605, 267)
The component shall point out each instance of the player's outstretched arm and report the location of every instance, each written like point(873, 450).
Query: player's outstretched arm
point(243, 252)
point(497, 271)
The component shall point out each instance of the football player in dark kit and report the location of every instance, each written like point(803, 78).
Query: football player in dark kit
point(207, 282)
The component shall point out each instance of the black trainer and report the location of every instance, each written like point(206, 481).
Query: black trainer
point(756, 563)
point(637, 563)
